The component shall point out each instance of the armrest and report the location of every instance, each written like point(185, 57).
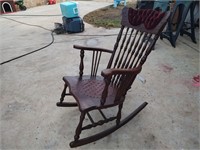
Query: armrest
point(130, 75)
point(92, 48)
point(114, 71)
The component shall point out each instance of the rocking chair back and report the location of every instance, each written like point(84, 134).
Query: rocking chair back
point(132, 47)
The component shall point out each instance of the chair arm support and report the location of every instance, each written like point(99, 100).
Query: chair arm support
point(92, 48)
point(96, 57)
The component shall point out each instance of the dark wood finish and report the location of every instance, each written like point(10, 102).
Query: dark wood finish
point(95, 92)
point(108, 131)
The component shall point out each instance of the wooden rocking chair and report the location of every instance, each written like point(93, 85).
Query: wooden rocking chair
point(135, 40)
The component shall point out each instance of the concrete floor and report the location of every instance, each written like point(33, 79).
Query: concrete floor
point(31, 86)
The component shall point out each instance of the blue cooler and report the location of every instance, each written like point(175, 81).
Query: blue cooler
point(69, 9)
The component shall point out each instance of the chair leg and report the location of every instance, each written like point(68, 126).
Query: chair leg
point(65, 104)
point(119, 114)
point(79, 127)
point(104, 133)
point(63, 93)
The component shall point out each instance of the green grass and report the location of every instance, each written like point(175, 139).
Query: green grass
point(107, 17)
point(107, 23)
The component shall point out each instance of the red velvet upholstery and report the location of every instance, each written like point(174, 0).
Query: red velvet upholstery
point(150, 18)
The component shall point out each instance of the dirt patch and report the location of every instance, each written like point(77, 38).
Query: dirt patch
point(108, 17)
